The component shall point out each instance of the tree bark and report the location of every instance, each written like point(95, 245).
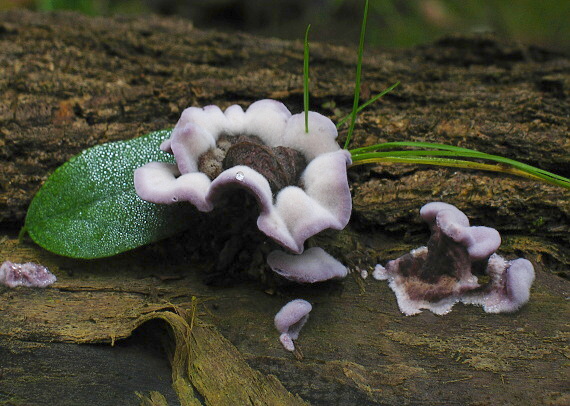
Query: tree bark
point(68, 82)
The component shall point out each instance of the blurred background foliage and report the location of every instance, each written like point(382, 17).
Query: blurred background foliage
point(392, 23)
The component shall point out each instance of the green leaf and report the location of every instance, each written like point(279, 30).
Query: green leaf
point(88, 207)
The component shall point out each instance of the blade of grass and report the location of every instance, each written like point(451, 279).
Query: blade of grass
point(433, 158)
point(458, 151)
point(306, 78)
point(369, 102)
point(358, 76)
point(450, 163)
point(417, 144)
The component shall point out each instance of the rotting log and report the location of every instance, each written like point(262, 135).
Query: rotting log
point(68, 82)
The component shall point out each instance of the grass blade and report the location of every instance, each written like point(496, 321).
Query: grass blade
point(306, 78)
point(447, 155)
point(369, 102)
point(453, 151)
point(358, 76)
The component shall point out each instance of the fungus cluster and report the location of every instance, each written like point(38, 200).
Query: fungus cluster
point(449, 268)
point(298, 179)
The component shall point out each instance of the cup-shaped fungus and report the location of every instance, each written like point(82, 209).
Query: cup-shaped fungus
point(28, 274)
point(446, 271)
point(298, 179)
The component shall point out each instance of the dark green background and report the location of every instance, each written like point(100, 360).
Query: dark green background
point(392, 23)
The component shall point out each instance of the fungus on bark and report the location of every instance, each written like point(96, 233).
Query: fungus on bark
point(448, 269)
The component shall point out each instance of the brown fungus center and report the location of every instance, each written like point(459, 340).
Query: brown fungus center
point(281, 166)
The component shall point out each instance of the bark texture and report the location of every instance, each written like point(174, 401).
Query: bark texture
point(68, 82)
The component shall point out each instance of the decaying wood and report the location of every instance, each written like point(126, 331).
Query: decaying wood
point(68, 82)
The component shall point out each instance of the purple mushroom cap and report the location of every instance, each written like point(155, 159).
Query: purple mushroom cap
point(217, 151)
point(290, 320)
point(430, 211)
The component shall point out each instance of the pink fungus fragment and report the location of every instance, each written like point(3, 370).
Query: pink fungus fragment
point(447, 270)
point(290, 320)
point(28, 274)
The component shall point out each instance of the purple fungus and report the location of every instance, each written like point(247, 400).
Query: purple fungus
point(446, 271)
point(298, 179)
point(313, 265)
point(28, 274)
point(290, 320)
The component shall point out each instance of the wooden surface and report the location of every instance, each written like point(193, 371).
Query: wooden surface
point(68, 82)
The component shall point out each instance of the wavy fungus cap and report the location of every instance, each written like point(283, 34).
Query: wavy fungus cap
point(318, 200)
